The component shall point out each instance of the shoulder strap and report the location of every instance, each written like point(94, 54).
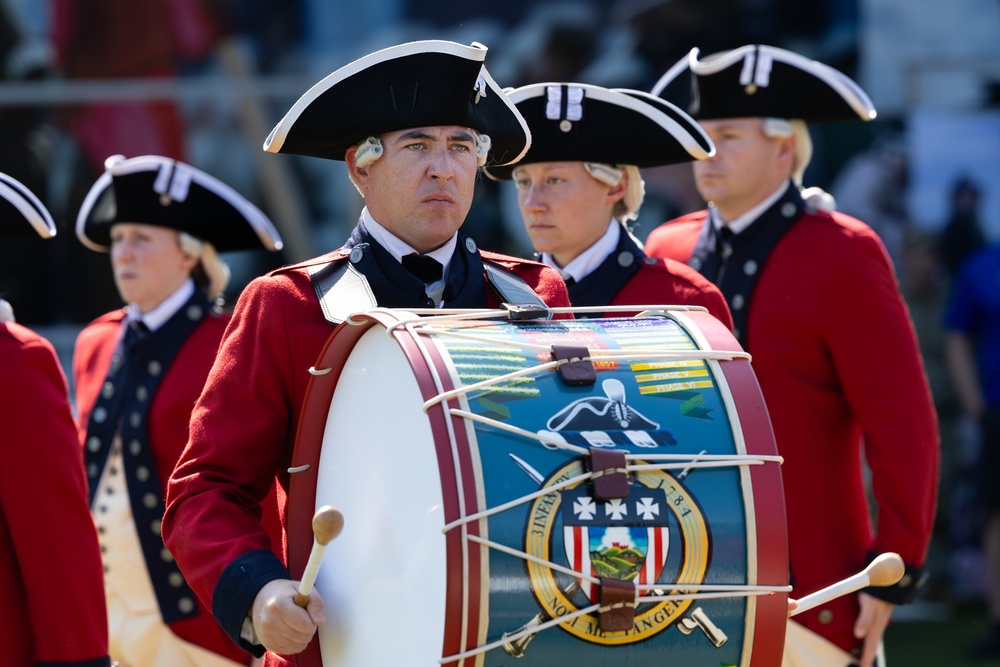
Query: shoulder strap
point(342, 290)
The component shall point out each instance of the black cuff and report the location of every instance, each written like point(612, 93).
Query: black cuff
point(96, 662)
point(900, 593)
point(238, 586)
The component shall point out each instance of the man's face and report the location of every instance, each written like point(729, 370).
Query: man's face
point(747, 166)
point(421, 188)
point(565, 209)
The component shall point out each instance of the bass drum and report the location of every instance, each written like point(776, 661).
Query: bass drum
point(587, 492)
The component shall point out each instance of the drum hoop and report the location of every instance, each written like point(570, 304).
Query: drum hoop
point(308, 443)
point(464, 604)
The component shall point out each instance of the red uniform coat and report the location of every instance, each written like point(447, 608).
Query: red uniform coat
point(52, 602)
point(836, 357)
point(243, 430)
point(672, 283)
point(168, 420)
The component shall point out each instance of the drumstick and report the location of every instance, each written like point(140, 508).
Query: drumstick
point(327, 524)
point(885, 570)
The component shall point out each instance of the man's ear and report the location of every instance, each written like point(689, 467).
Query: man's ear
point(358, 175)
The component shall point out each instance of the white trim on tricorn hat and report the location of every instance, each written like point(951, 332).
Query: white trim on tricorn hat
point(763, 81)
point(416, 84)
point(580, 122)
point(26, 207)
point(156, 190)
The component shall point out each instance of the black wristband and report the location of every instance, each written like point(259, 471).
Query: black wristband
point(902, 592)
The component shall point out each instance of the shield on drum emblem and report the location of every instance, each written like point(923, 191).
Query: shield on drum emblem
point(624, 539)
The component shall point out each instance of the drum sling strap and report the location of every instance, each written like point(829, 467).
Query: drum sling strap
point(343, 290)
point(514, 291)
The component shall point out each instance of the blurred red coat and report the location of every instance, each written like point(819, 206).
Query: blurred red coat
point(52, 603)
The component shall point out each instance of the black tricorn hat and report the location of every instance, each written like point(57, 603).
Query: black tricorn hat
point(22, 215)
point(155, 190)
point(762, 81)
point(578, 122)
point(417, 84)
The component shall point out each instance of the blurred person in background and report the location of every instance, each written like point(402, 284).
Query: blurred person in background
point(874, 186)
point(815, 300)
point(112, 41)
point(972, 346)
point(579, 185)
point(962, 234)
point(924, 286)
point(138, 372)
point(52, 610)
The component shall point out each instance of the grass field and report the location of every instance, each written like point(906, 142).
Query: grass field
point(940, 642)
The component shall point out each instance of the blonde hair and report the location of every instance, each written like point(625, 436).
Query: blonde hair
point(780, 128)
point(216, 271)
point(626, 208)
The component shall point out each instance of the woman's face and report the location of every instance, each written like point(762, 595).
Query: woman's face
point(148, 263)
point(565, 209)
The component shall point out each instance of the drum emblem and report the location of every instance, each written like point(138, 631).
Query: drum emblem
point(627, 539)
point(624, 539)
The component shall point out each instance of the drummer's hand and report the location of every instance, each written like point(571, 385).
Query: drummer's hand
point(281, 625)
point(871, 624)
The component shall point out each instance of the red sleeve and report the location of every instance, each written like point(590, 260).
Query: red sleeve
point(873, 346)
point(240, 434)
point(43, 507)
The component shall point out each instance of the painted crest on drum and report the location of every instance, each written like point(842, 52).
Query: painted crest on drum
point(625, 539)
point(682, 526)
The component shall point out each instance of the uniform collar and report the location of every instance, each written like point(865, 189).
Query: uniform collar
point(398, 248)
point(741, 222)
point(158, 316)
point(586, 262)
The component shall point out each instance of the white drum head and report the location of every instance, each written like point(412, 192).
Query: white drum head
point(383, 578)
